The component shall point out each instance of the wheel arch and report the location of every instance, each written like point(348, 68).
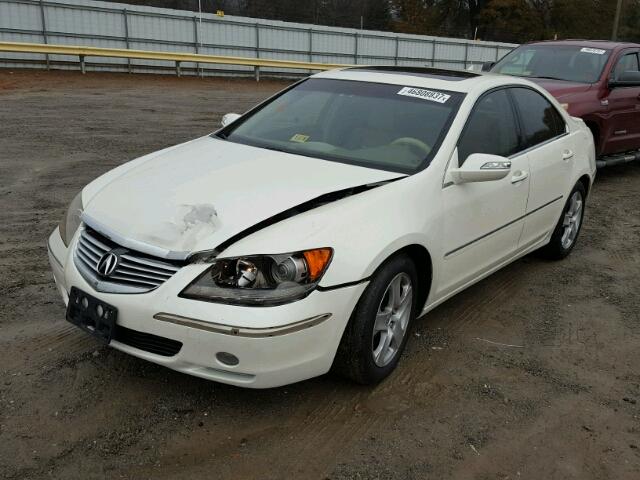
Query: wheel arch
point(586, 183)
point(424, 267)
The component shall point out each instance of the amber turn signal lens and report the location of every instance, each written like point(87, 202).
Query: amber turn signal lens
point(317, 261)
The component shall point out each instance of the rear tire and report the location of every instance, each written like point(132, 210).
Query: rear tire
point(565, 235)
point(377, 332)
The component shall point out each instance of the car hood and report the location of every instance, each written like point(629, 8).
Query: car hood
point(195, 196)
point(561, 88)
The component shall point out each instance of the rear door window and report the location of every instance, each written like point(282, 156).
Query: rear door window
point(539, 119)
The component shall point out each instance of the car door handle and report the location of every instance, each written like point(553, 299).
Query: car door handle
point(519, 177)
point(567, 154)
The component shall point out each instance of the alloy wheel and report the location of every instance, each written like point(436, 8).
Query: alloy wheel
point(392, 319)
point(572, 220)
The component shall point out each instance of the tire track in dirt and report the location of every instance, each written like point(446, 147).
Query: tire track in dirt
point(326, 430)
point(624, 257)
point(481, 300)
point(46, 347)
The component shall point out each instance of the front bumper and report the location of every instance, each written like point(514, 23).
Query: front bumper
point(275, 345)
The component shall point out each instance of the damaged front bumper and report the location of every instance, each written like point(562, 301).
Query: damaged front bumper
point(272, 346)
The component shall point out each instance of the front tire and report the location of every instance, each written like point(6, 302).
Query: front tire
point(377, 332)
point(566, 233)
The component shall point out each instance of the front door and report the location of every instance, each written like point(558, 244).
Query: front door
point(483, 221)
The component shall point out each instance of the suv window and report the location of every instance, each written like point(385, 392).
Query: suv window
point(540, 120)
point(627, 63)
point(491, 128)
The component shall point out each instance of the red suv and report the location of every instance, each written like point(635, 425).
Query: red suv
point(597, 81)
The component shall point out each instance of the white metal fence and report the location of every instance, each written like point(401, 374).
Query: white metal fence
point(102, 24)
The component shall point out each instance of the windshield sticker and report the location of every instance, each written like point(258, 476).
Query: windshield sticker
point(597, 51)
point(299, 137)
point(424, 94)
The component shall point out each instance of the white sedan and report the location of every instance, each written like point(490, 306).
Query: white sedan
point(311, 231)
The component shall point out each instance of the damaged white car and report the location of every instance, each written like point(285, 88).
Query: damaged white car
point(311, 231)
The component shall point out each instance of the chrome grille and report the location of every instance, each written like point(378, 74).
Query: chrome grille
point(135, 272)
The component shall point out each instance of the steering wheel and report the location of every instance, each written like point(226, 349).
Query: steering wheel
point(414, 144)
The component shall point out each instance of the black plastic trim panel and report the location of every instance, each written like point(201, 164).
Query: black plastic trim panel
point(148, 342)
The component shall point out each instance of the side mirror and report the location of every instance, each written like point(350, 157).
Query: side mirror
point(481, 167)
point(229, 118)
point(486, 66)
point(626, 79)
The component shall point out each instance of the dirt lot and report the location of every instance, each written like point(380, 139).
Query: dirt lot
point(533, 373)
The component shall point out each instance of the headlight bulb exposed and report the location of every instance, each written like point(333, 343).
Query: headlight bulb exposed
point(246, 273)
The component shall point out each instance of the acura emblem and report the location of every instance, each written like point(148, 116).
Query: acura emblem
point(107, 263)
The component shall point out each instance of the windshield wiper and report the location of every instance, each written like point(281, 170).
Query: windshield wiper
point(275, 149)
point(549, 78)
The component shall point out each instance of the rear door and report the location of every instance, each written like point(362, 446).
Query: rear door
point(550, 149)
point(624, 108)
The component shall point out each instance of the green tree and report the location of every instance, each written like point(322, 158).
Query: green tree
point(591, 19)
point(377, 14)
point(512, 21)
point(431, 17)
point(630, 21)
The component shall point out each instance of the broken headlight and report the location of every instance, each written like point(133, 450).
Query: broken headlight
point(261, 280)
point(71, 221)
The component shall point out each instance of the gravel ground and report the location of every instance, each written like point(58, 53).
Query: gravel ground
point(532, 373)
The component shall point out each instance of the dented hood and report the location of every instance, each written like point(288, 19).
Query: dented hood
point(196, 196)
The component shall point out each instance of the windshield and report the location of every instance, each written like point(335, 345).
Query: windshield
point(388, 127)
point(558, 62)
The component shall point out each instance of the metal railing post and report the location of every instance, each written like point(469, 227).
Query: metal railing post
point(195, 44)
point(433, 52)
point(466, 55)
point(256, 69)
point(125, 17)
point(44, 31)
point(355, 49)
point(395, 57)
point(310, 47)
point(82, 65)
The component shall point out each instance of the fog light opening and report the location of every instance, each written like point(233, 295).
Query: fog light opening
point(227, 358)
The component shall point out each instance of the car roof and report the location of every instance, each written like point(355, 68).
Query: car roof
point(462, 81)
point(606, 44)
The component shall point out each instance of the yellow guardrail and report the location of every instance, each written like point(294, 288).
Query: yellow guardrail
point(82, 52)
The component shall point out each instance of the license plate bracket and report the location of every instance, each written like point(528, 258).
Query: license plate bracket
point(91, 315)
